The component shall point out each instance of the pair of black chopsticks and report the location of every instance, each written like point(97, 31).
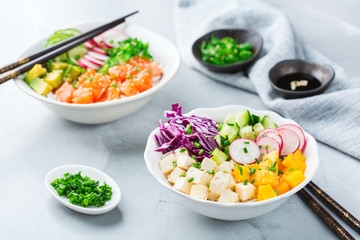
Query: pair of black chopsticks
point(334, 225)
point(23, 65)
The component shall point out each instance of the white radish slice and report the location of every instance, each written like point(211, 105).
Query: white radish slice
point(98, 56)
point(113, 36)
point(244, 151)
point(86, 64)
point(93, 48)
point(269, 143)
point(266, 130)
point(100, 41)
point(93, 43)
point(291, 141)
point(93, 60)
point(298, 131)
point(274, 135)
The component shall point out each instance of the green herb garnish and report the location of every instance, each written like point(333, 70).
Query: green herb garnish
point(245, 182)
point(245, 150)
point(191, 179)
point(210, 172)
point(197, 165)
point(174, 163)
point(182, 150)
point(292, 169)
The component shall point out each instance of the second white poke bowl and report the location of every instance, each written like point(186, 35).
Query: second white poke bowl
point(232, 211)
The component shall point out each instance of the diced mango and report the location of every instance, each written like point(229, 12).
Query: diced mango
point(241, 173)
point(263, 177)
point(273, 156)
point(298, 156)
point(282, 187)
point(290, 162)
point(293, 178)
point(265, 192)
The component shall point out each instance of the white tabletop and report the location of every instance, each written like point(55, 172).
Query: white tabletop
point(34, 140)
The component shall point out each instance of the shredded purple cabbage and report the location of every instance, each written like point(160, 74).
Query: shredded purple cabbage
point(173, 136)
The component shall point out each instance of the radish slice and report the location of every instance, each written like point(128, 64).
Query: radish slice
point(98, 56)
point(269, 143)
point(244, 151)
point(93, 60)
point(86, 64)
point(93, 48)
point(291, 141)
point(100, 41)
point(298, 131)
point(274, 135)
point(263, 152)
point(113, 36)
point(93, 43)
point(265, 131)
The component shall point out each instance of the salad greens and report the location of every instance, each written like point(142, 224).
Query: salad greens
point(125, 50)
point(225, 51)
point(81, 190)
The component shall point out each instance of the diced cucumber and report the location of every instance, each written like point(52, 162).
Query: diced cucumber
point(267, 122)
point(219, 156)
point(243, 118)
point(230, 118)
point(220, 140)
point(258, 128)
point(254, 119)
point(230, 131)
point(247, 132)
point(76, 53)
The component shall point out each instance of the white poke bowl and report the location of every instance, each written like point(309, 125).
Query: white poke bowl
point(163, 51)
point(232, 211)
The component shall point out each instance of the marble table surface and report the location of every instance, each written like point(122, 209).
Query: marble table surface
point(34, 140)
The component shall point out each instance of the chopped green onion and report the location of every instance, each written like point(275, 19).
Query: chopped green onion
point(292, 169)
point(274, 165)
point(245, 182)
point(182, 175)
point(113, 85)
point(191, 179)
point(240, 169)
point(231, 124)
point(197, 145)
point(174, 163)
point(246, 142)
point(245, 150)
point(201, 151)
point(182, 150)
point(194, 157)
point(188, 129)
point(267, 146)
point(210, 172)
point(225, 171)
point(252, 181)
point(260, 146)
point(136, 69)
point(276, 191)
point(257, 160)
point(252, 170)
point(197, 165)
point(280, 172)
point(226, 143)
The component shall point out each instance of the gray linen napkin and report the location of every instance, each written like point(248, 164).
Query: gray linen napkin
point(332, 117)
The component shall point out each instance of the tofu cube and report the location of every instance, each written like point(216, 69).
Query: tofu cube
point(199, 191)
point(246, 192)
point(181, 152)
point(213, 196)
point(200, 177)
point(208, 164)
point(229, 196)
point(232, 183)
point(168, 163)
point(183, 185)
point(174, 175)
point(226, 166)
point(220, 182)
point(184, 162)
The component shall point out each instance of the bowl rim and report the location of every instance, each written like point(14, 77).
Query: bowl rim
point(256, 54)
point(312, 91)
point(239, 204)
point(163, 82)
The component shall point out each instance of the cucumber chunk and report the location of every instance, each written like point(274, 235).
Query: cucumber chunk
point(230, 131)
point(76, 53)
point(258, 128)
point(247, 132)
point(230, 118)
point(219, 156)
point(243, 118)
point(254, 119)
point(267, 122)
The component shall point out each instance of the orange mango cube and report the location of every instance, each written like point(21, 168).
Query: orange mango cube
point(241, 173)
point(293, 178)
point(298, 156)
point(265, 192)
point(291, 162)
point(282, 187)
point(273, 156)
point(263, 177)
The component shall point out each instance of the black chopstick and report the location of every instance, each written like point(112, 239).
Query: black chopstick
point(335, 206)
point(62, 47)
point(324, 215)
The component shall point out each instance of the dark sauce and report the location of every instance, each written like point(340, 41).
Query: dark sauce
point(296, 79)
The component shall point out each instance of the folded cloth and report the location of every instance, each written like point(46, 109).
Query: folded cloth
point(332, 117)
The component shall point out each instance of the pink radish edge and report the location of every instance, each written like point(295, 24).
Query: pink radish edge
point(266, 130)
point(271, 142)
point(298, 131)
point(291, 141)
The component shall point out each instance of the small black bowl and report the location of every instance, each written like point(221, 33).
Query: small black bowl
point(241, 36)
point(320, 76)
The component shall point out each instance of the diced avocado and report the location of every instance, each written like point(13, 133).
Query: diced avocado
point(71, 73)
point(231, 131)
point(258, 128)
point(58, 66)
point(55, 78)
point(229, 118)
point(243, 118)
point(247, 132)
point(40, 86)
point(35, 72)
point(219, 156)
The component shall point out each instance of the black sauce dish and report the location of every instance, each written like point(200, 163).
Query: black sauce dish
point(241, 36)
point(297, 78)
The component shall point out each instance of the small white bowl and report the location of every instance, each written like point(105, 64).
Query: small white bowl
point(163, 51)
point(232, 211)
point(94, 174)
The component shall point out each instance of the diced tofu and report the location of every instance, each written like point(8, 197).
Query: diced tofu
point(181, 151)
point(200, 177)
point(183, 185)
point(199, 191)
point(168, 164)
point(245, 192)
point(229, 196)
point(226, 166)
point(232, 183)
point(208, 164)
point(220, 182)
point(213, 196)
point(174, 175)
point(185, 162)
